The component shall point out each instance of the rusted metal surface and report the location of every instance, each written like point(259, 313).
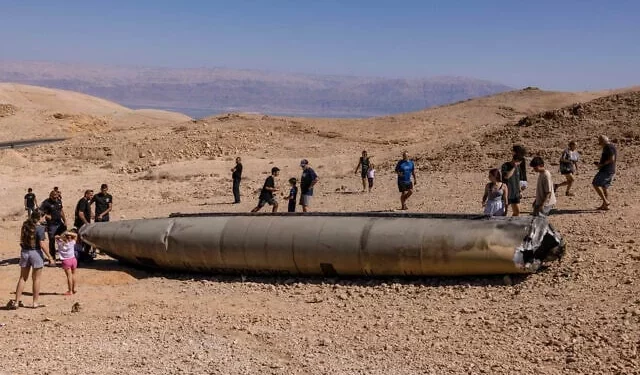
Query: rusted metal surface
point(332, 243)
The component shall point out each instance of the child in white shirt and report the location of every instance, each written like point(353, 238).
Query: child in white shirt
point(66, 248)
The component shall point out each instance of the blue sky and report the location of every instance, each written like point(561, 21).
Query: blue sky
point(562, 45)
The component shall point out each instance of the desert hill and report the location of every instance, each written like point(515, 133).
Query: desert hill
point(30, 111)
point(202, 92)
point(577, 316)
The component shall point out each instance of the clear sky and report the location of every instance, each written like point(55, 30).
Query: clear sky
point(561, 44)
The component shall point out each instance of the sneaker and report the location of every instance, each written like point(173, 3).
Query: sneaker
point(12, 305)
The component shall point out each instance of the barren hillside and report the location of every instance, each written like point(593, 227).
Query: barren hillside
point(577, 316)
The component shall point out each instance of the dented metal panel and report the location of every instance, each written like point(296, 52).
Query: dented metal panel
point(386, 244)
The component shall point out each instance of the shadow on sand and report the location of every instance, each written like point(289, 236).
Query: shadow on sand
point(109, 264)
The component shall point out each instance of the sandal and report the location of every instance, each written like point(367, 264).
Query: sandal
point(12, 305)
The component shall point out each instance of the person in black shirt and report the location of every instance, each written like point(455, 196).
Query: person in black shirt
point(104, 203)
point(83, 217)
point(266, 194)
point(363, 165)
point(293, 195)
point(30, 202)
point(55, 217)
point(606, 171)
point(236, 175)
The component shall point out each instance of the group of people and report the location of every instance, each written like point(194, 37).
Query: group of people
point(45, 234)
point(504, 190)
point(268, 193)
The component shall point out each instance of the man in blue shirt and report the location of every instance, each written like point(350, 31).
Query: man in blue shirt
point(405, 169)
point(307, 182)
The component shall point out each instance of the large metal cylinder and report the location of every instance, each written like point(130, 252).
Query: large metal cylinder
point(331, 243)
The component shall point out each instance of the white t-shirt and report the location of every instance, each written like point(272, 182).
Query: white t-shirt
point(66, 249)
point(371, 173)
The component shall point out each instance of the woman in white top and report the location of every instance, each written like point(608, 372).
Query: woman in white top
point(568, 167)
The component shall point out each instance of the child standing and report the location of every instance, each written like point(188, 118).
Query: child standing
point(66, 248)
point(545, 196)
point(293, 194)
point(495, 195)
point(371, 174)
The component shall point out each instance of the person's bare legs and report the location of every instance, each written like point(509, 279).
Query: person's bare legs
point(73, 281)
point(568, 183)
point(70, 287)
point(364, 184)
point(515, 209)
point(305, 209)
point(403, 199)
point(24, 276)
point(35, 278)
point(604, 195)
point(275, 208)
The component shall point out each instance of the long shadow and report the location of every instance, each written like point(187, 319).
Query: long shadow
point(109, 264)
point(574, 212)
point(6, 262)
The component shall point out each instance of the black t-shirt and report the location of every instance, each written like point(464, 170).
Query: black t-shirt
point(102, 201)
point(83, 206)
point(513, 182)
point(31, 200)
point(308, 176)
point(365, 164)
point(608, 151)
point(52, 207)
point(265, 194)
point(237, 174)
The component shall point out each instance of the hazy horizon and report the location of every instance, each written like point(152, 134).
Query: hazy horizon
point(569, 46)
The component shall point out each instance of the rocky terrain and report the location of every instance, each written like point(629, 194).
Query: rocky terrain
point(577, 316)
point(202, 92)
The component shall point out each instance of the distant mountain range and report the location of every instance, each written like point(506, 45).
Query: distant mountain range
point(207, 91)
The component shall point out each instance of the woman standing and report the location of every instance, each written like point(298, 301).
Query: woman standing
point(495, 195)
point(568, 167)
point(34, 246)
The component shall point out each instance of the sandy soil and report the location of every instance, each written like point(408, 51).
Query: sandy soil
point(581, 315)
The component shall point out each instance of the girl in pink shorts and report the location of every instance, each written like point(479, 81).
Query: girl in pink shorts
point(66, 248)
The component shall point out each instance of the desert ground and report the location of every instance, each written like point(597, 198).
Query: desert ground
point(580, 315)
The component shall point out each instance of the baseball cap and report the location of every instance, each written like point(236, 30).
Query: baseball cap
point(304, 162)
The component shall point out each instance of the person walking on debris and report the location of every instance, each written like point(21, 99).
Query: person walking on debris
point(30, 202)
point(308, 180)
point(56, 220)
point(236, 176)
point(103, 204)
point(266, 194)
point(33, 249)
point(545, 196)
point(568, 167)
point(405, 168)
point(606, 171)
point(83, 217)
point(511, 176)
point(293, 195)
point(494, 200)
point(363, 165)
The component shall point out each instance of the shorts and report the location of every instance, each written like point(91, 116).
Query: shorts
point(31, 258)
point(370, 182)
point(514, 200)
point(305, 200)
point(603, 179)
point(104, 219)
point(404, 186)
point(363, 174)
point(270, 202)
point(69, 264)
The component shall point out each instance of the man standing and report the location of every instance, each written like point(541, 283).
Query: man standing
point(364, 162)
point(83, 217)
point(307, 182)
point(405, 170)
point(104, 204)
point(30, 202)
point(266, 194)
point(606, 171)
point(56, 219)
point(236, 175)
point(545, 195)
point(511, 176)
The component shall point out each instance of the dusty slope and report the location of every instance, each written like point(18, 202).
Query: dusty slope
point(30, 111)
point(578, 316)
